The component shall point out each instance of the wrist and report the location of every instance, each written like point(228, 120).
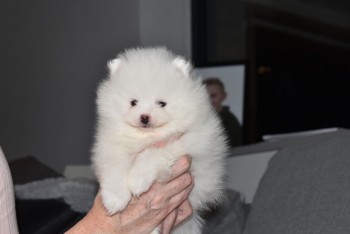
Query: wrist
point(95, 221)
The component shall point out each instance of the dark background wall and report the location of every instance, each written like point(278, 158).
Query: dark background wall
point(53, 54)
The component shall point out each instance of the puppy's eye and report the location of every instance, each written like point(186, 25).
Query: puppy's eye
point(133, 102)
point(161, 103)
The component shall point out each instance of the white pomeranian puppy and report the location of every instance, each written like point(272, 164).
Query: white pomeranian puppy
point(153, 96)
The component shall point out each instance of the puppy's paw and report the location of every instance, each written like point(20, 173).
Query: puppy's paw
point(114, 202)
point(140, 180)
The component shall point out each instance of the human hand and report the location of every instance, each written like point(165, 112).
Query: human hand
point(176, 217)
point(164, 205)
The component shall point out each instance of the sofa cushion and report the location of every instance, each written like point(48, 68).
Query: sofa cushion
point(306, 189)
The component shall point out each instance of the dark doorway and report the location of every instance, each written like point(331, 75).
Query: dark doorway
point(302, 81)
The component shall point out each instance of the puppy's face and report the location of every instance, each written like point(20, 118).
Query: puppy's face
point(148, 93)
point(151, 102)
point(147, 113)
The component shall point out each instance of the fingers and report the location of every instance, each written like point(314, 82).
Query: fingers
point(181, 166)
point(159, 203)
point(172, 194)
point(180, 187)
point(184, 211)
point(176, 217)
point(179, 180)
point(168, 223)
point(179, 198)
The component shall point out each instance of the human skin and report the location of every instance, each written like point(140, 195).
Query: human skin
point(164, 205)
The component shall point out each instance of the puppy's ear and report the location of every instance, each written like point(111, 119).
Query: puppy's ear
point(183, 65)
point(113, 65)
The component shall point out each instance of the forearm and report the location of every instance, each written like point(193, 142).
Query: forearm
point(95, 221)
point(8, 222)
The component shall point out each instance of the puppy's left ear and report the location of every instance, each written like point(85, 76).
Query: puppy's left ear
point(113, 65)
point(183, 65)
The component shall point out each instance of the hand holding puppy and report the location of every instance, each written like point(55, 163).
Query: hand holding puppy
point(165, 205)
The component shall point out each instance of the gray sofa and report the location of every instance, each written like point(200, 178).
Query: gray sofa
point(305, 190)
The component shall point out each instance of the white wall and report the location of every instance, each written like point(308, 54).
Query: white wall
point(53, 53)
point(166, 23)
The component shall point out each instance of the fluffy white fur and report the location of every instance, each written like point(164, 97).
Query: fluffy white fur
point(152, 96)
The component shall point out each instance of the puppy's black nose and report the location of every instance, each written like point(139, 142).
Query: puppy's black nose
point(144, 119)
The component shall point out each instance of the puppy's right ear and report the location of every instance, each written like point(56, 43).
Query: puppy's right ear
point(113, 65)
point(183, 65)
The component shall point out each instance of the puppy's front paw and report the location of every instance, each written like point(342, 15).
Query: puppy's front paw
point(114, 202)
point(140, 180)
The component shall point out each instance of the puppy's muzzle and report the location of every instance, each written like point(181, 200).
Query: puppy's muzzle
point(145, 120)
